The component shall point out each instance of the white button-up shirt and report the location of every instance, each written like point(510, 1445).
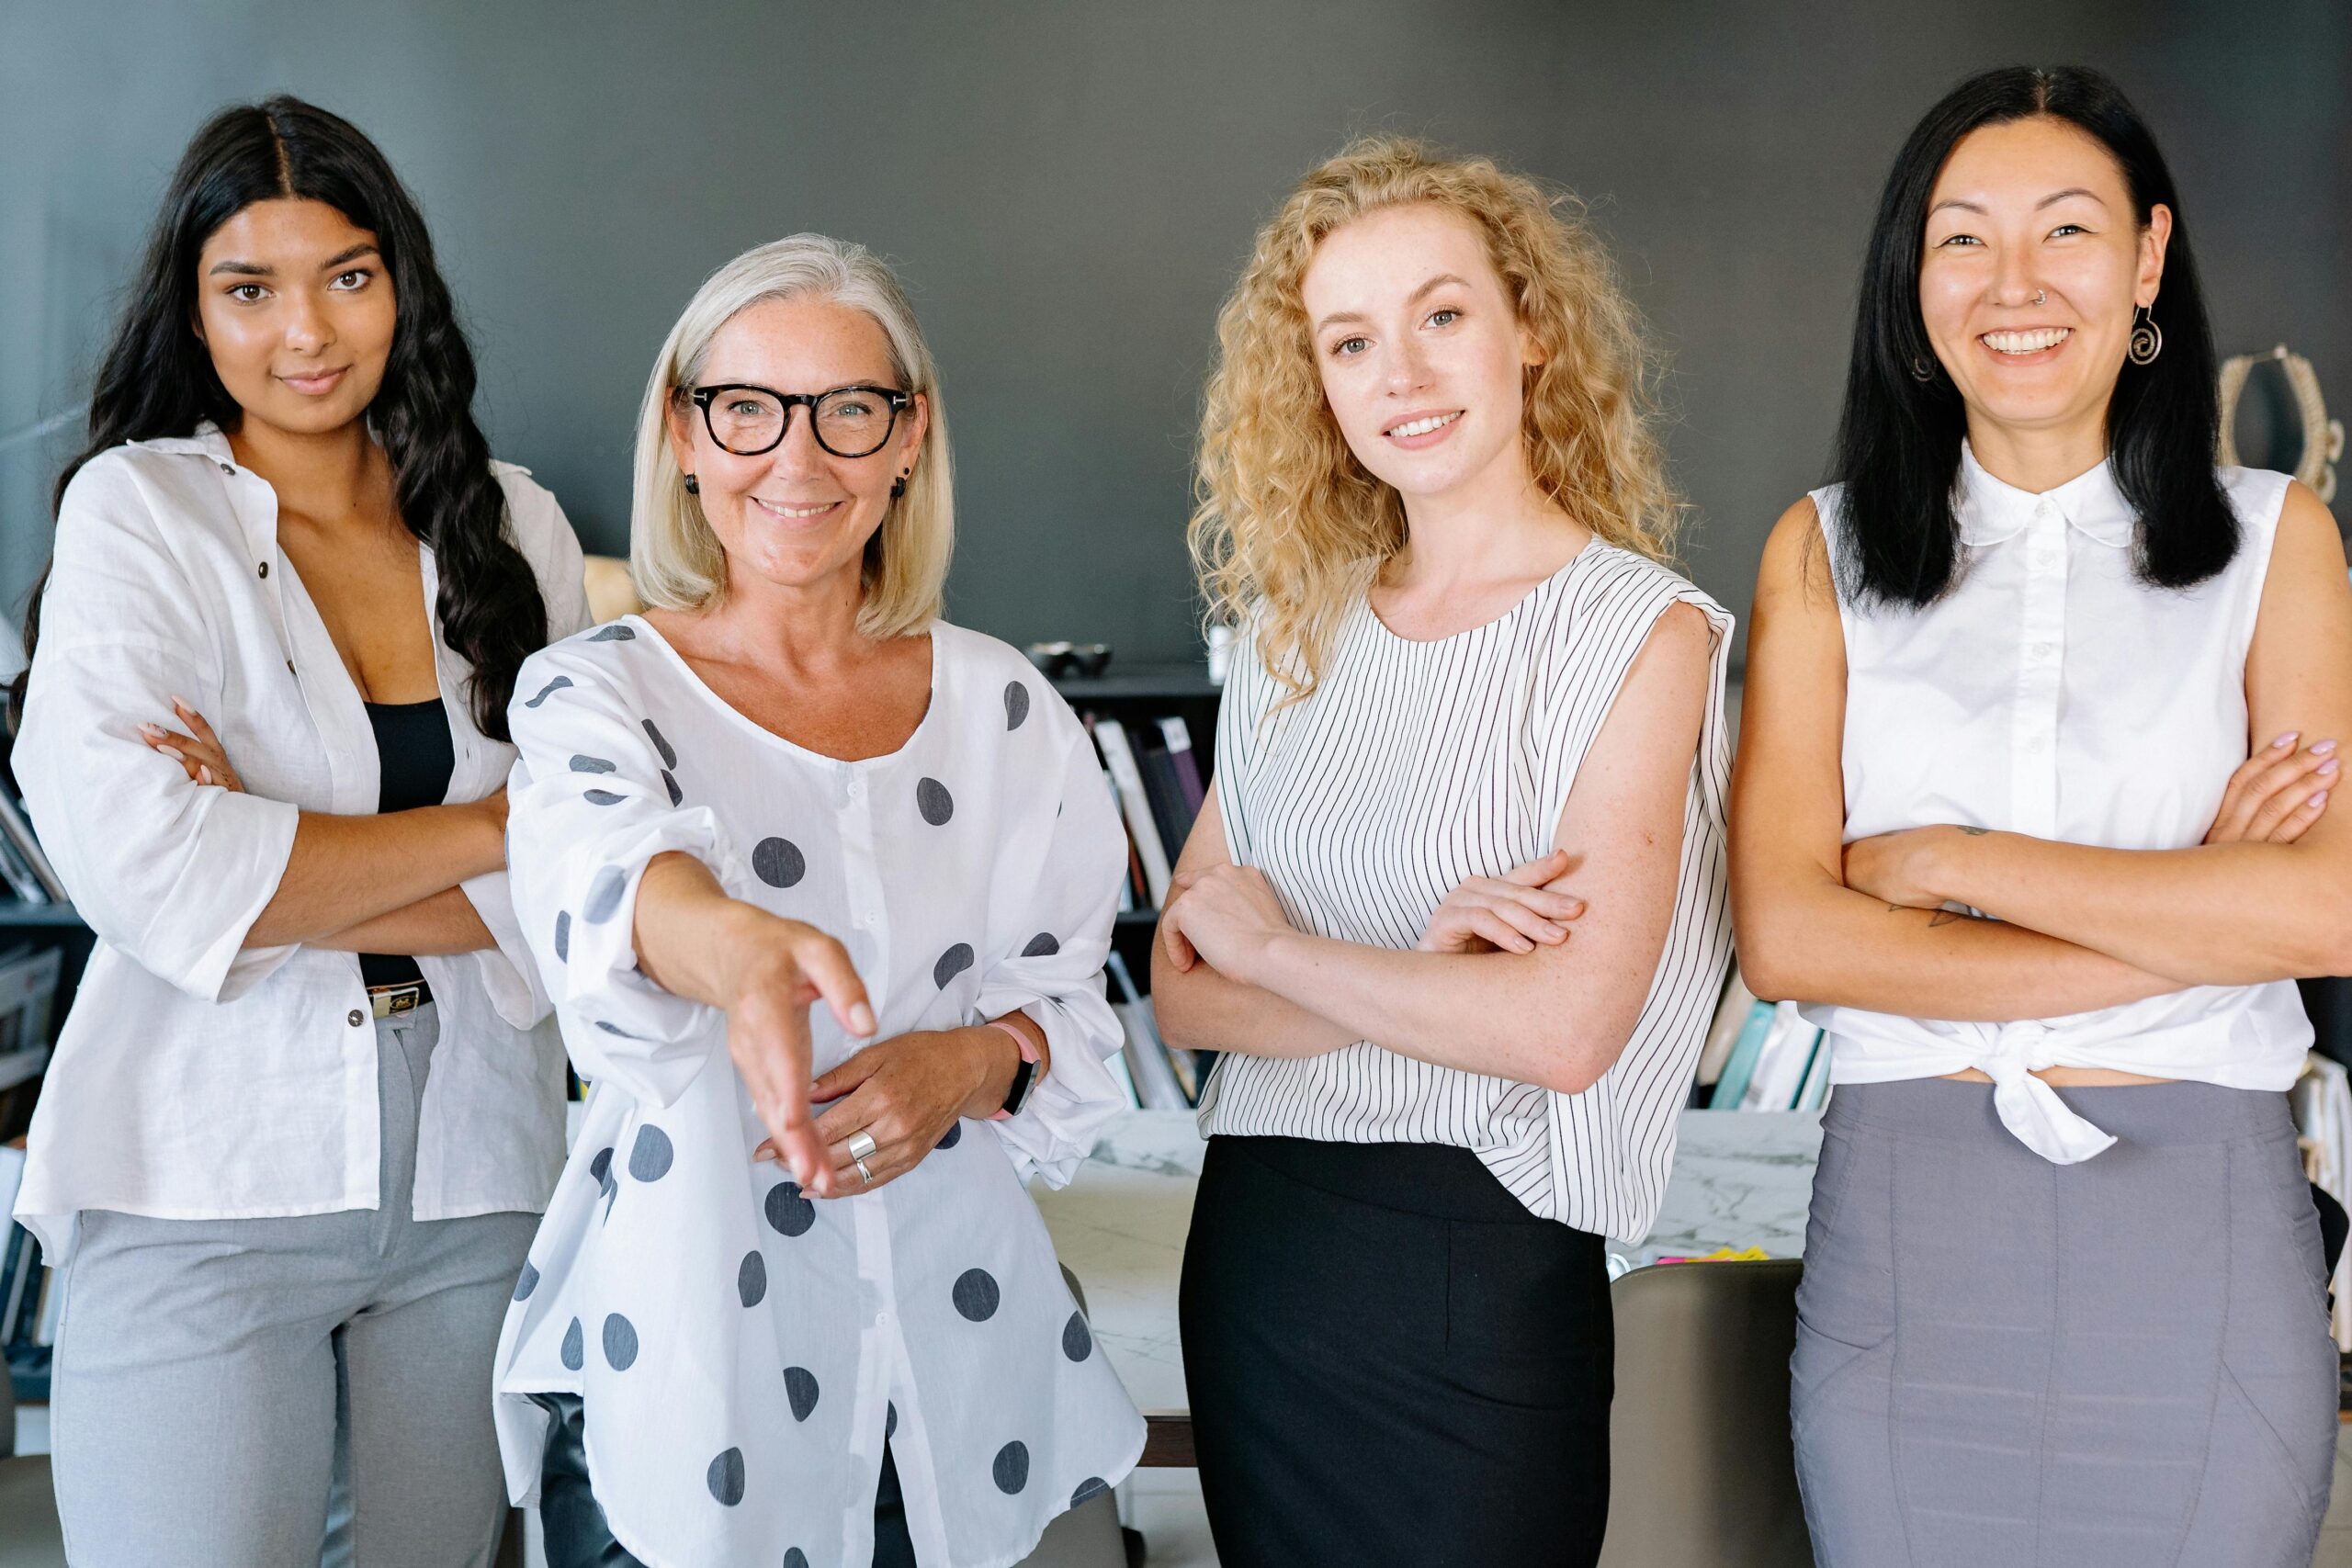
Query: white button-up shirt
point(2053, 693)
point(743, 1353)
point(197, 1078)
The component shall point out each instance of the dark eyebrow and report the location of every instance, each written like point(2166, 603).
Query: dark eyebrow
point(1441, 279)
point(255, 269)
point(2055, 197)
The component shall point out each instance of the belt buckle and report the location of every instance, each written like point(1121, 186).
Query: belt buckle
point(397, 999)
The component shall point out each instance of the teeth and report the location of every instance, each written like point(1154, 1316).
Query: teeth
point(798, 510)
point(2033, 342)
point(1424, 427)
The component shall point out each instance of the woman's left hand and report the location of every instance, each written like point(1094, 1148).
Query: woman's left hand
point(200, 751)
point(1903, 868)
point(904, 1093)
point(1224, 916)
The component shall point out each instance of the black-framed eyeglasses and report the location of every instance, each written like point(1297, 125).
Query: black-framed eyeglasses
point(848, 422)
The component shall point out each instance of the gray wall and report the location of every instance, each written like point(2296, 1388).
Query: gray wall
point(1069, 187)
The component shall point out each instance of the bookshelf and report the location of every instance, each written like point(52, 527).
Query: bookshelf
point(1155, 734)
point(1136, 694)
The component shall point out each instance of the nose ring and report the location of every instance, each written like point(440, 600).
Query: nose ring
point(2039, 296)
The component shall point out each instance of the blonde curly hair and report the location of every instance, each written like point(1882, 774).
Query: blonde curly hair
point(1289, 527)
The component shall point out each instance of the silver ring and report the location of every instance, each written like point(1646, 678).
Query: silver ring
point(2040, 295)
point(861, 1147)
point(863, 1174)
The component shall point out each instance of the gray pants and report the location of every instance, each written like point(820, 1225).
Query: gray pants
point(218, 1381)
point(2005, 1363)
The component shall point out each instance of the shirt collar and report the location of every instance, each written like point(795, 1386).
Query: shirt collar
point(207, 442)
point(2091, 502)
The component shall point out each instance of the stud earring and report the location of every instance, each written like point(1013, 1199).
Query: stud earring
point(693, 485)
point(899, 485)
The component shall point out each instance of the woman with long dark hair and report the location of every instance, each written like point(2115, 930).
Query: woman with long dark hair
point(2031, 812)
point(304, 1111)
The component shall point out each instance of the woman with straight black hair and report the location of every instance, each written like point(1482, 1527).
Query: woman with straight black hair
point(304, 1111)
point(2031, 814)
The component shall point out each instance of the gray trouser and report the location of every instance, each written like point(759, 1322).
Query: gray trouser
point(217, 1380)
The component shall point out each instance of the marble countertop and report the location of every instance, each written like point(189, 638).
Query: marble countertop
point(1741, 1180)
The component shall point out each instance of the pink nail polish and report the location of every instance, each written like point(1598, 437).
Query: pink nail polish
point(2318, 799)
point(2327, 769)
point(2323, 748)
point(2285, 740)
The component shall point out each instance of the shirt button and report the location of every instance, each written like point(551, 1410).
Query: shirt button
point(227, 467)
point(264, 568)
point(355, 1018)
point(856, 789)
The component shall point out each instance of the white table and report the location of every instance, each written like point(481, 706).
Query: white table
point(1740, 1180)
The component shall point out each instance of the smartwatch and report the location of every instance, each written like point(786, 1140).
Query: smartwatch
point(1024, 1076)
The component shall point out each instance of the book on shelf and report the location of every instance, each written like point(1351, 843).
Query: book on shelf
point(29, 978)
point(1176, 736)
point(16, 829)
point(18, 875)
point(1118, 756)
point(1152, 1066)
point(1730, 1017)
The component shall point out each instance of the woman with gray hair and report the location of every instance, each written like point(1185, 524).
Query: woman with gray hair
point(786, 783)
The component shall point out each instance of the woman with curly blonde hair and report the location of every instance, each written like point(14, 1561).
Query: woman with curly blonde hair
point(1472, 710)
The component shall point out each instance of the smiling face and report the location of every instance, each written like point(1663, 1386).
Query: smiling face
point(295, 305)
point(796, 516)
point(2035, 206)
point(1420, 350)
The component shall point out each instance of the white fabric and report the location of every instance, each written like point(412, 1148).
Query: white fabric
point(741, 1350)
point(1417, 764)
point(2051, 692)
point(197, 1078)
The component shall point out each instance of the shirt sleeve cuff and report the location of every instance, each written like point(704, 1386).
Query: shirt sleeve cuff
point(207, 958)
point(1057, 1130)
point(509, 974)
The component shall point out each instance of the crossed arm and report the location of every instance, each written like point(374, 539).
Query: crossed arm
point(1231, 974)
point(2267, 896)
point(378, 884)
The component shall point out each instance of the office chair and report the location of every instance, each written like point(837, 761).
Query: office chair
point(1701, 1469)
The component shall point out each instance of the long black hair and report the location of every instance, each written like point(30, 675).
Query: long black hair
point(157, 380)
point(1898, 440)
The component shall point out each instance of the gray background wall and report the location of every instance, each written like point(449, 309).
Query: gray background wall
point(1069, 187)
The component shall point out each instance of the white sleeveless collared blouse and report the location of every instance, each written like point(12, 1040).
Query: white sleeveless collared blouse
point(2054, 693)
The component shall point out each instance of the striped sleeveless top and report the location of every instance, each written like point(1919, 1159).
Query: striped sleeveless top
point(1417, 765)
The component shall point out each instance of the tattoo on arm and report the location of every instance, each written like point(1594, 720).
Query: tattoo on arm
point(1976, 833)
point(1946, 917)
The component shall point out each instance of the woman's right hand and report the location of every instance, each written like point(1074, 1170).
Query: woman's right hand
point(2276, 793)
point(781, 968)
point(1510, 913)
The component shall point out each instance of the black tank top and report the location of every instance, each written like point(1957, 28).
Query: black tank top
point(415, 756)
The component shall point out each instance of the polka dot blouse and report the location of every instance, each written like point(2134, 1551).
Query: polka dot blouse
point(744, 1353)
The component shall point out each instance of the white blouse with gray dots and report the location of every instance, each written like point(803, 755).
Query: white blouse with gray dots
point(744, 1352)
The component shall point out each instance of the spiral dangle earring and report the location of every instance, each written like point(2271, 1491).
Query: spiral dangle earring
point(2147, 339)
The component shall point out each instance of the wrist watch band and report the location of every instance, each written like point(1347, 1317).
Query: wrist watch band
point(1024, 1076)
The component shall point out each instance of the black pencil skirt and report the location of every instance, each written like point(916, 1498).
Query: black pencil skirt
point(1391, 1361)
